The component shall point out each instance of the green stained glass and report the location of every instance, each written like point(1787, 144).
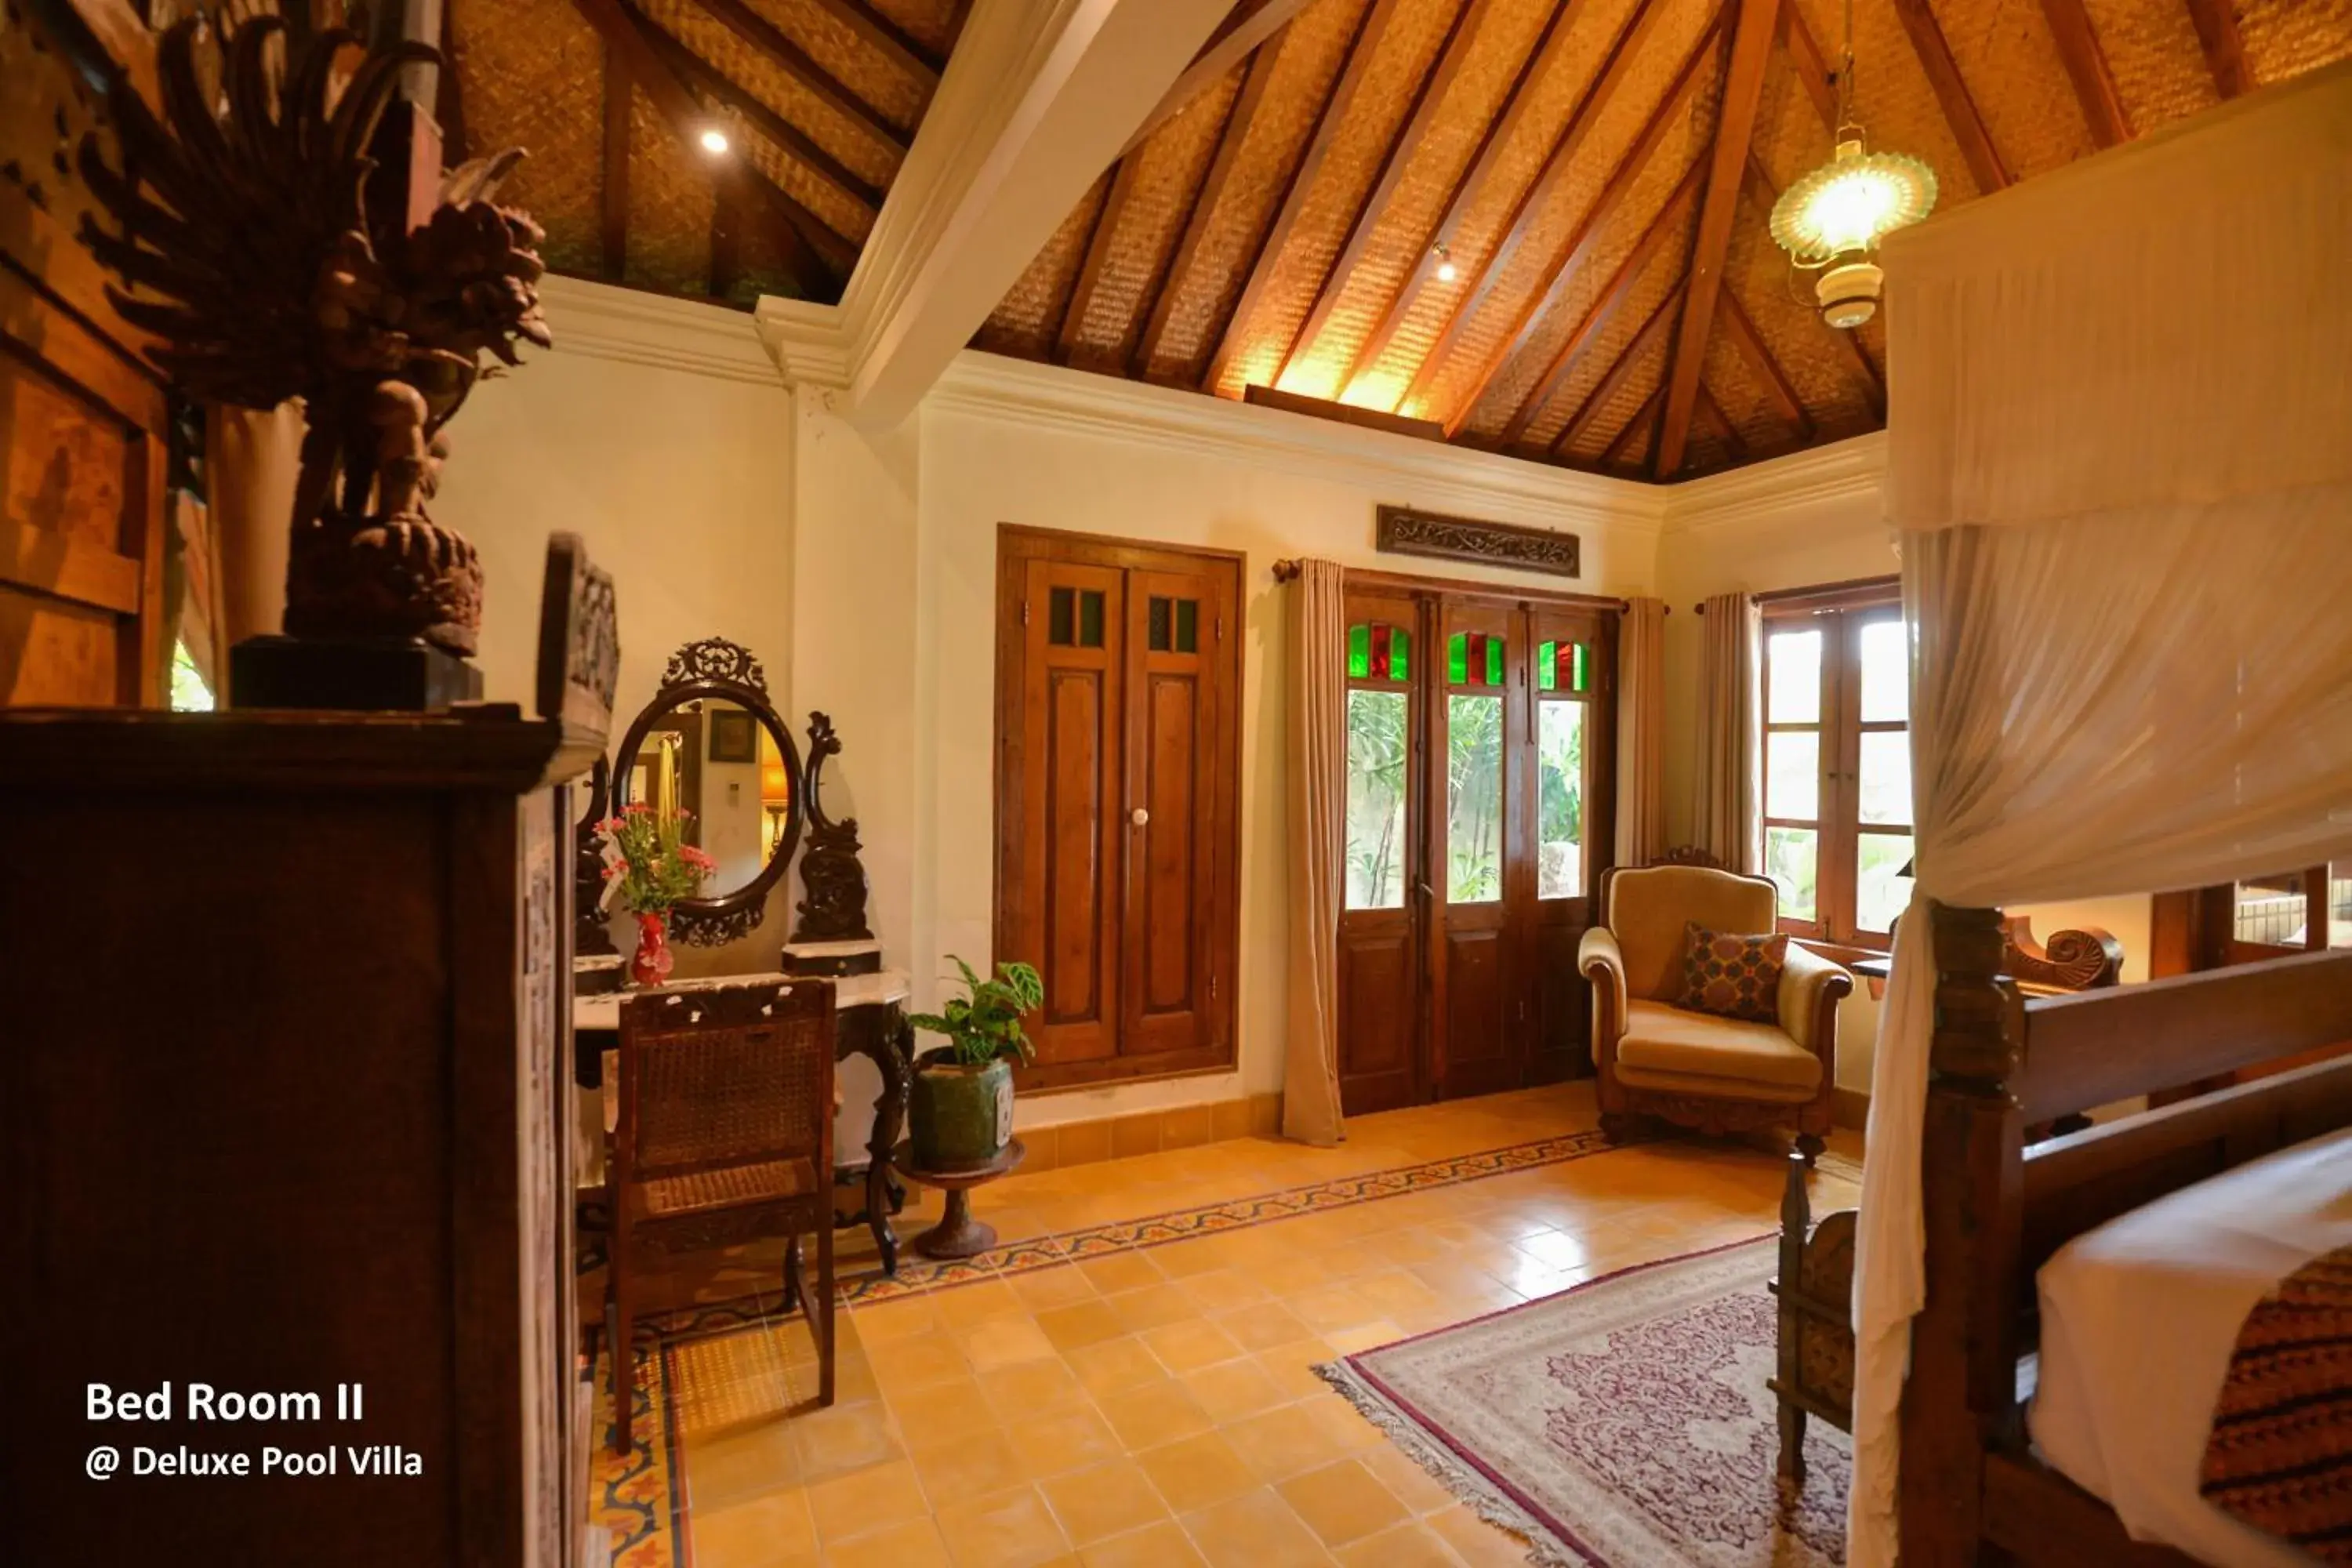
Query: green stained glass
point(1399, 654)
point(1494, 661)
point(1360, 652)
point(1457, 658)
point(1547, 667)
point(1579, 674)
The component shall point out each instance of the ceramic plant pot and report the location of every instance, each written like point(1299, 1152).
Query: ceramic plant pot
point(960, 1118)
point(654, 959)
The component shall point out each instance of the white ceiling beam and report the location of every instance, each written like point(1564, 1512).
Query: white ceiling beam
point(1037, 101)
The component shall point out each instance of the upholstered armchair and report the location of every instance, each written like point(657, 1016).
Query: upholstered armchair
point(1698, 1069)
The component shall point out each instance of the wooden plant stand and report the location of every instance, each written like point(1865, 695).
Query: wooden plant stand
point(957, 1234)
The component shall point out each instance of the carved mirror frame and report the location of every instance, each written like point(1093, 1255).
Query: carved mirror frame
point(717, 669)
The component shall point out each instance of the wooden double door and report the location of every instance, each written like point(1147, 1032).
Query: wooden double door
point(1481, 738)
point(1118, 800)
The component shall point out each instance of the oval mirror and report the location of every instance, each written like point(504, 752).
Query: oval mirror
point(710, 744)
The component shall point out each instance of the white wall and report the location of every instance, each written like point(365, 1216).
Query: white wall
point(658, 431)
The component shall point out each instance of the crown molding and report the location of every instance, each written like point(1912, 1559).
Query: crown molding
point(1424, 473)
point(808, 343)
point(1841, 470)
point(602, 320)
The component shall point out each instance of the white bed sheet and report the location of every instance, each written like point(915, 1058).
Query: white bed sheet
point(2139, 1318)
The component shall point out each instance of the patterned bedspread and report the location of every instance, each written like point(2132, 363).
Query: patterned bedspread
point(2280, 1455)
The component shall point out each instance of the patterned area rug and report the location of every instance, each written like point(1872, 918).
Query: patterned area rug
point(1622, 1423)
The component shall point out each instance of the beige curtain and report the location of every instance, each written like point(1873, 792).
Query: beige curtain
point(2117, 461)
point(1640, 732)
point(1726, 818)
point(1317, 797)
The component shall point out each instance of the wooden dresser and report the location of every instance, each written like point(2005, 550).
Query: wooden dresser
point(284, 1061)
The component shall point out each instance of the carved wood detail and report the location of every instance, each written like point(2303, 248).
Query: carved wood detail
point(1403, 531)
point(833, 909)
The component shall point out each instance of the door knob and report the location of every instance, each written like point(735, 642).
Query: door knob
point(1140, 816)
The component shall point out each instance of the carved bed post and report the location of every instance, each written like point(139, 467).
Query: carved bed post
point(1963, 1344)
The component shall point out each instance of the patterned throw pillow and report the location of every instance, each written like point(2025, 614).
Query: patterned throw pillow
point(1732, 976)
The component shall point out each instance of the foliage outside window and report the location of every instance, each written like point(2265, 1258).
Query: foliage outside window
point(1837, 765)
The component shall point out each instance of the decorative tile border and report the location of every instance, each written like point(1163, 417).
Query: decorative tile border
point(638, 1495)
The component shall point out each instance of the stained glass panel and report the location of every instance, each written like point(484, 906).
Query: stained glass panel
point(1061, 617)
point(1547, 667)
point(1188, 625)
point(1090, 617)
point(1360, 651)
point(1457, 658)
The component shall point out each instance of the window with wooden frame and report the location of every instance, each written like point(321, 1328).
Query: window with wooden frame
point(1837, 761)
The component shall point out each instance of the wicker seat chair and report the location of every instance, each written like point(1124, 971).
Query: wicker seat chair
point(724, 1135)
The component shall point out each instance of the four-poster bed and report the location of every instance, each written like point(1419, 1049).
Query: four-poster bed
point(2120, 486)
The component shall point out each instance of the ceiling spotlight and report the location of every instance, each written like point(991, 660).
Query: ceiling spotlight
point(1447, 271)
point(714, 140)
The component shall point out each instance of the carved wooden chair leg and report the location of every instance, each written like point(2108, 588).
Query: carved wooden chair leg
point(793, 1294)
point(1617, 1126)
point(1809, 1145)
point(821, 1319)
point(624, 1377)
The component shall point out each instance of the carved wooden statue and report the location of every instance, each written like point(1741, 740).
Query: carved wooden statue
point(267, 274)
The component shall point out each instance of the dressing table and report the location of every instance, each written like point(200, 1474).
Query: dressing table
point(710, 742)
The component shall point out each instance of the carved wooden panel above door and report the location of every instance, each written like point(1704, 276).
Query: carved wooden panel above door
point(1118, 800)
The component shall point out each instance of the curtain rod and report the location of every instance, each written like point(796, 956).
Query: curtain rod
point(1854, 585)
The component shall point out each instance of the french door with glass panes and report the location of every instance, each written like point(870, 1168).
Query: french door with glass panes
point(1479, 740)
point(1837, 767)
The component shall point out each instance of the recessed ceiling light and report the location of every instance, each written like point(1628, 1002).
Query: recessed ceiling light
point(714, 140)
point(1447, 271)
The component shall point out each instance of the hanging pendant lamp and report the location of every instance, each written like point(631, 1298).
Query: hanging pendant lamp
point(1831, 220)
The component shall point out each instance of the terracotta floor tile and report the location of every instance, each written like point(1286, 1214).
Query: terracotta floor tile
point(1153, 1307)
point(1234, 1389)
point(1042, 1290)
point(1255, 1530)
point(1197, 1471)
point(1218, 1289)
point(1007, 1530)
point(1189, 1344)
point(1280, 1443)
point(1342, 1502)
point(1027, 1390)
point(1264, 1325)
point(1106, 1500)
point(910, 1363)
point(1121, 1271)
point(742, 1464)
point(908, 1317)
point(1115, 1365)
point(1003, 1341)
point(1080, 1324)
point(768, 1531)
point(865, 1500)
point(941, 1412)
point(972, 1466)
point(1071, 1441)
point(1365, 1336)
point(914, 1543)
point(1152, 1414)
point(846, 1437)
point(969, 1304)
point(1478, 1543)
point(1292, 1366)
point(1410, 1483)
point(1155, 1546)
point(1408, 1546)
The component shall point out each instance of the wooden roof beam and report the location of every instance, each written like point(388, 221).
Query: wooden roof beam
point(1360, 49)
point(1249, 25)
point(1469, 186)
point(1621, 369)
point(819, 257)
point(1460, 37)
point(1204, 204)
point(888, 39)
point(1759, 354)
point(1711, 414)
point(770, 40)
point(1604, 309)
point(1647, 413)
point(1812, 67)
point(1609, 76)
point(1570, 261)
point(1098, 239)
point(613, 197)
point(2225, 52)
point(1734, 129)
point(2086, 67)
point(1959, 109)
point(718, 87)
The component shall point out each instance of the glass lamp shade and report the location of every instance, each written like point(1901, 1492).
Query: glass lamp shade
point(1850, 202)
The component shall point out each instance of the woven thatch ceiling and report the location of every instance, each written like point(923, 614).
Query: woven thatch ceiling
point(1277, 225)
point(820, 100)
point(1276, 221)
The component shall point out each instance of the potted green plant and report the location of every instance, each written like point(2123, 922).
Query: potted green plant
point(960, 1111)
